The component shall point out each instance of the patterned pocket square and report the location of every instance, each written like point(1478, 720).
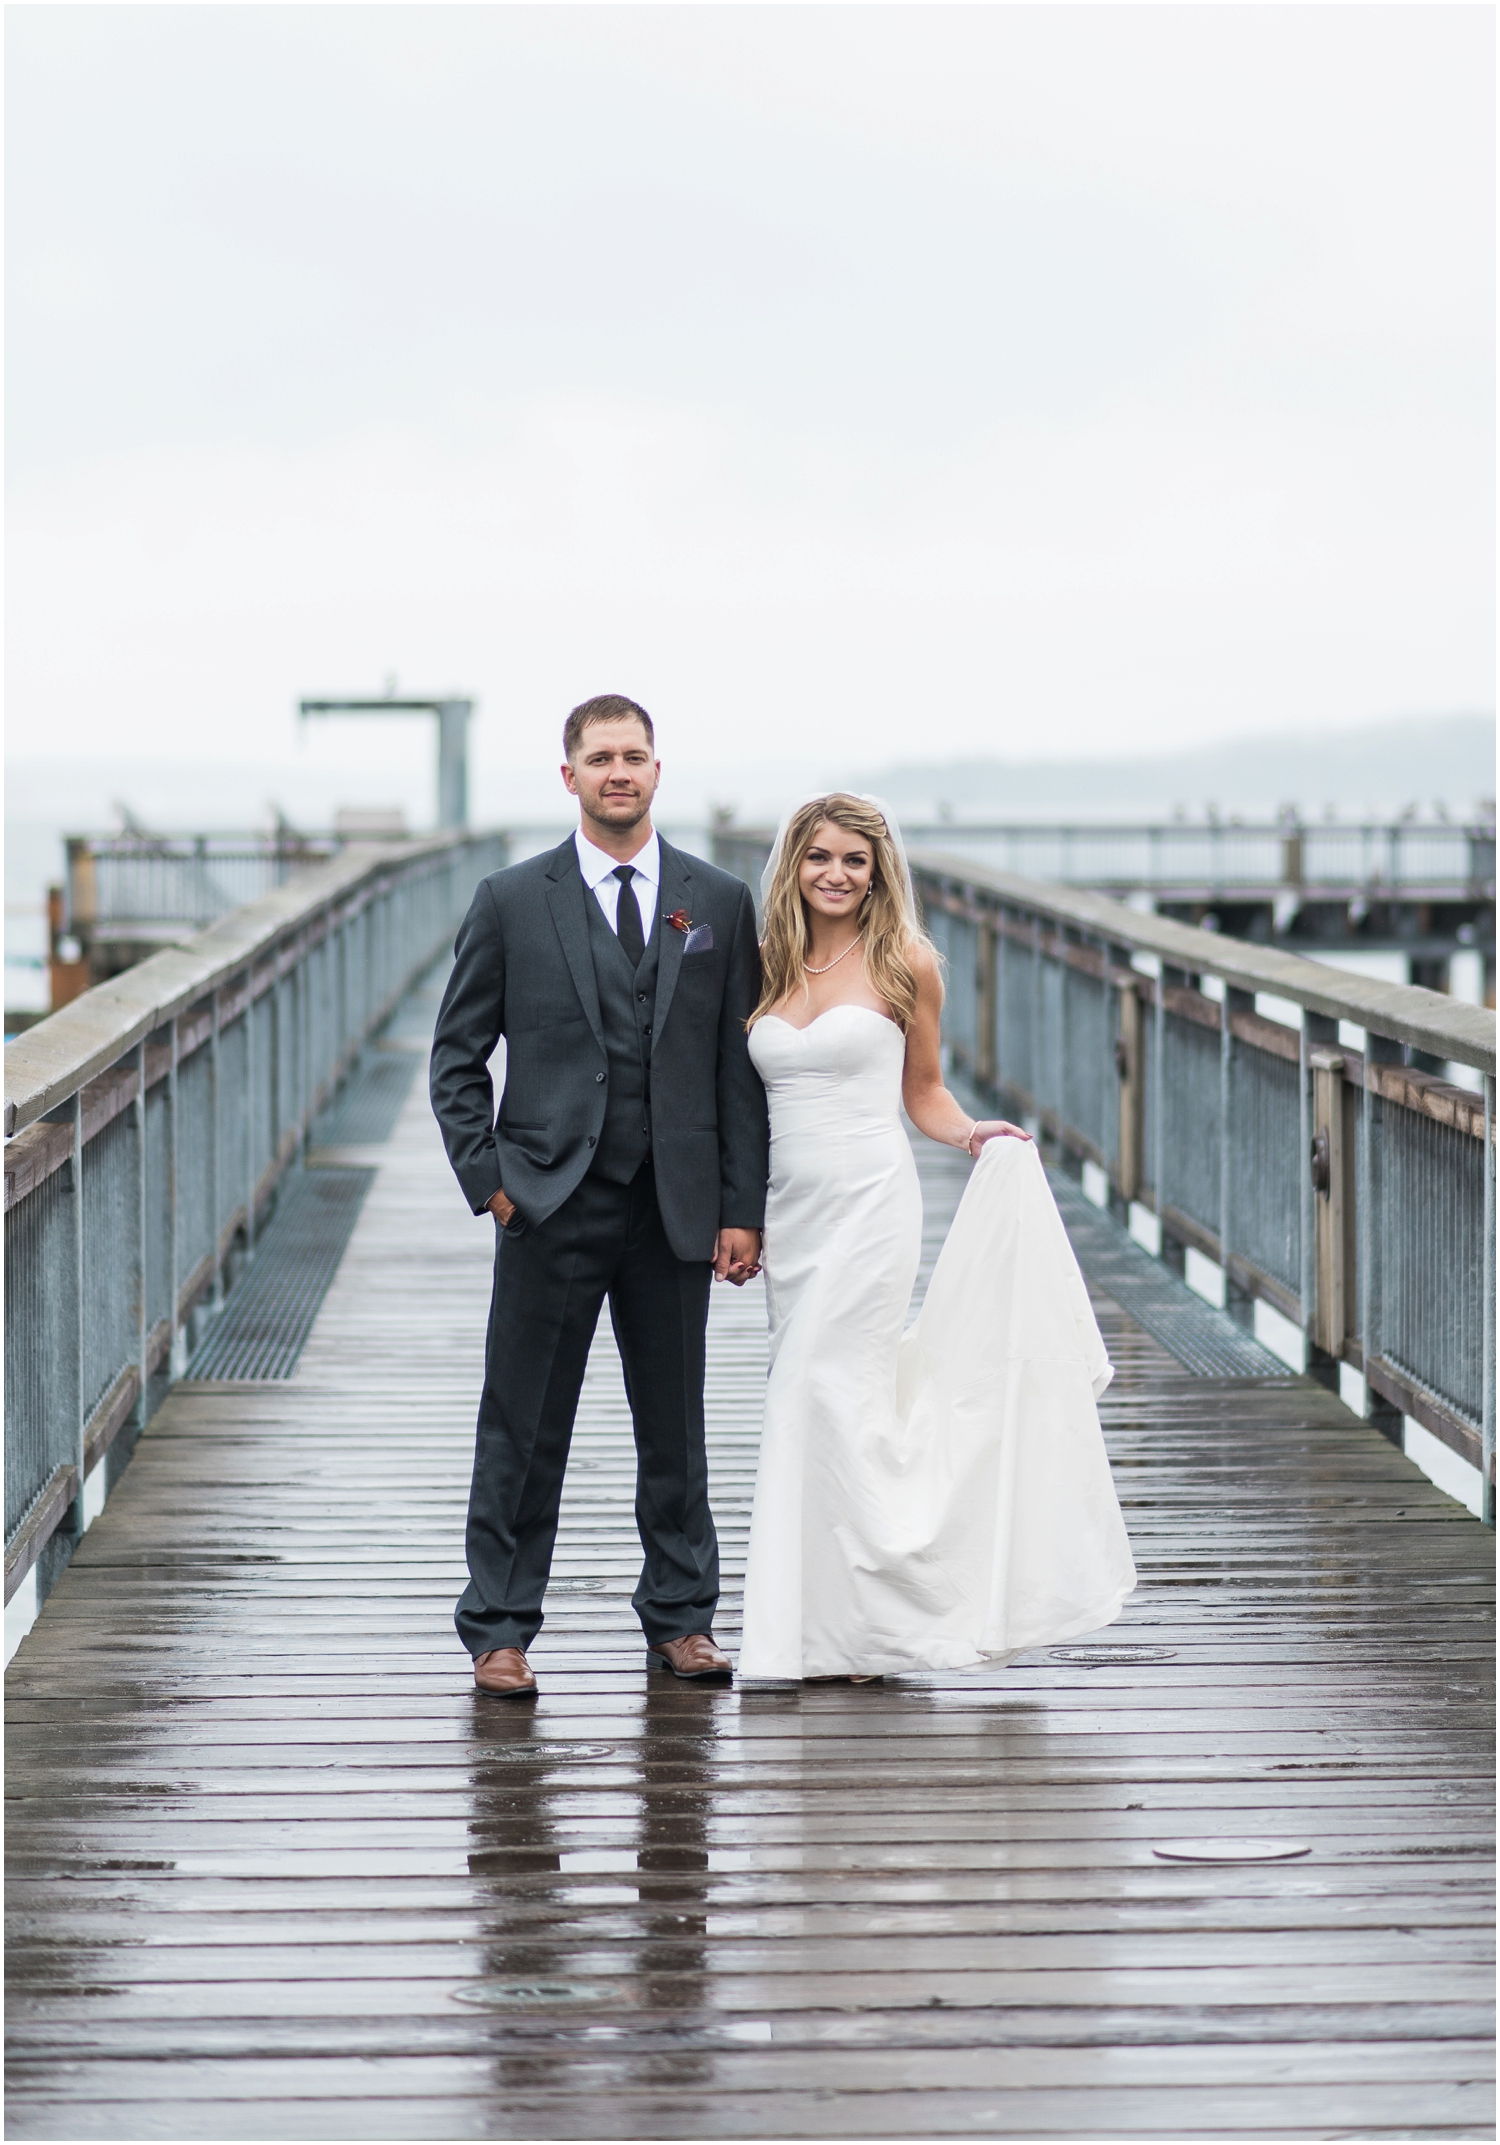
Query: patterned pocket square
point(699, 940)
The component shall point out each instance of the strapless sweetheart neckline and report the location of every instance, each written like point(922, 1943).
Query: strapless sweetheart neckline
point(847, 1007)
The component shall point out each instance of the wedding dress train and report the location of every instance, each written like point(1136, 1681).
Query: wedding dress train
point(939, 1498)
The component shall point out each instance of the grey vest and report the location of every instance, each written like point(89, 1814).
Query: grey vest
point(627, 1005)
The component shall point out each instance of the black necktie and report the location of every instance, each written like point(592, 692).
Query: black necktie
point(628, 917)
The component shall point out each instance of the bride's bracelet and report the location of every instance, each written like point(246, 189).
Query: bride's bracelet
point(969, 1142)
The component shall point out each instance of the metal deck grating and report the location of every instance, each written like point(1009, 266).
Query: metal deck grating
point(261, 1331)
point(365, 1110)
point(1204, 1340)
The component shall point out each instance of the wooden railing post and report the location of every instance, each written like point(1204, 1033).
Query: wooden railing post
point(275, 1056)
point(177, 1356)
point(1330, 1314)
point(1234, 1001)
point(1166, 976)
point(215, 1159)
point(65, 1302)
point(1109, 1037)
point(1370, 1226)
point(250, 1110)
point(142, 1250)
point(984, 1003)
point(306, 1072)
point(1318, 1032)
point(1002, 937)
point(1060, 1061)
point(1130, 1064)
point(1038, 1016)
point(1487, 1420)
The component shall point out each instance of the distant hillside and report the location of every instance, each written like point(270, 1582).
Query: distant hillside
point(1381, 768)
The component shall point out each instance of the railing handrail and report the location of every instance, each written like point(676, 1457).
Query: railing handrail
point(61, 1054)
point(1194, 829)
point(1429, 1021)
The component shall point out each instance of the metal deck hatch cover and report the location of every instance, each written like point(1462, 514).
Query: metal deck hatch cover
point(1110, 1656)
point(261, 1330)
point(1231, 1850)
point(531, 1995)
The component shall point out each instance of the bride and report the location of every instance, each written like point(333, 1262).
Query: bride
point(943, 1498)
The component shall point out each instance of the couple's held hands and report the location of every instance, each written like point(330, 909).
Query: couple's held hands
point(993, 1128)
point(737, 1256)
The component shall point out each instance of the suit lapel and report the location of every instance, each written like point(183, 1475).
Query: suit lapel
point(566, 895)
point(675, 892)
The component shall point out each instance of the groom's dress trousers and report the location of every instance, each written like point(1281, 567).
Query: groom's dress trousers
point(628, 1209)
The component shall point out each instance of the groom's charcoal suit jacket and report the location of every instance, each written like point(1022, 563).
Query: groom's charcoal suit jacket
point(667, 1048)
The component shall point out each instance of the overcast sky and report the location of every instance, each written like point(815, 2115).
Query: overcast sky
point(848, 384)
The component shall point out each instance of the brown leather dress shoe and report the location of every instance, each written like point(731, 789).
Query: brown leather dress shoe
point(696, 1659)
point(503, 1673)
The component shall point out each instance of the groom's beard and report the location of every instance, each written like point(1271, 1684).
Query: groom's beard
point(628, 812)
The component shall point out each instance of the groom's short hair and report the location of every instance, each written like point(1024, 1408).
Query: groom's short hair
point(604, 707)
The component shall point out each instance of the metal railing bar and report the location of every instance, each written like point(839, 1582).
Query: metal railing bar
point(61, 1054)
point(1424, 1019)
point(1246, 1275)
point(1487, 1425)
point(1414, 1090)
point(141, 1248)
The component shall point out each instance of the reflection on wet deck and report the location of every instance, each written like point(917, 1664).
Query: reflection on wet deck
point(277, 1873)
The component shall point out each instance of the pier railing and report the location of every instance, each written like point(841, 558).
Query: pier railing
point(147, 1127)
point(1216, 1088)
point(1421, 889)
point(1206, 860)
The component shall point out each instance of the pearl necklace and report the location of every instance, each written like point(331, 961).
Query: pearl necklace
point(833, 963)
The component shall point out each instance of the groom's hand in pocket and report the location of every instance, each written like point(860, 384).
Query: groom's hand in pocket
point(502, 1208)
point(737, 1256)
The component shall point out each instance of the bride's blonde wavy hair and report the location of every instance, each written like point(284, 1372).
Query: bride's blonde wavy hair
point(887, 919)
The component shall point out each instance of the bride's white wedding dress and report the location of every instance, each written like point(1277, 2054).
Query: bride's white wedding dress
point(932, 1500)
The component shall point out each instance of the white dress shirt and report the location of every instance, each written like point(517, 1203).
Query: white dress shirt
point(599, 868)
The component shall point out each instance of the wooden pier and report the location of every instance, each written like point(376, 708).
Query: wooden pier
point(277, 1873)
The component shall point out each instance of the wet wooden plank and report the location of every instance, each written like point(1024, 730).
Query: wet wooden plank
point(639, 2028)
point(263, 1836)
point(683, 2108)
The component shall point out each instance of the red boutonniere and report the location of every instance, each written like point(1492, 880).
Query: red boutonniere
point(680, 921)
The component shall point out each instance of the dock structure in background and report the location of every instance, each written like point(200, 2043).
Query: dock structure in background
point(453, 712)
point(1423, 889)
point(129, 895)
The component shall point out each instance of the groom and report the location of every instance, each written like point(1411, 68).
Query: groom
point(629, 1161)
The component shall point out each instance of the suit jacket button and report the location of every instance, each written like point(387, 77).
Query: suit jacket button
point(592, 1141)
point(600, 1078)
point(642, 996)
